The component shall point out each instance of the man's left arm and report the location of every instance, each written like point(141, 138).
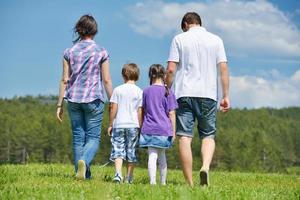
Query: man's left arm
point(171, 70)
point(173, 60)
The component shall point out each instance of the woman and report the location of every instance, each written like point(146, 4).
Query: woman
point(84, 79)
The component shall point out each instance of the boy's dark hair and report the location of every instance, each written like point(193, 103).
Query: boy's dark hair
point(190, 18)
point(85, 27)
point(157, 71)
point(130, 71)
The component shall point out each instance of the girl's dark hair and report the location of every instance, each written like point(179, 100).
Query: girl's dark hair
point(190, 18)
point(86, 26)
point(157, 71)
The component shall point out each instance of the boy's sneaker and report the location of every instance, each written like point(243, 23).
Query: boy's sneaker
point(117, 178)
point(204, 178)
point(81, 170)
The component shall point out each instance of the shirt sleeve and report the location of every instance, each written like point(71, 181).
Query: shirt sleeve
point(174, 51)
point(114, 97)
point(66, 55)
point(172, 103)
point(104, 56)
point(221, 55)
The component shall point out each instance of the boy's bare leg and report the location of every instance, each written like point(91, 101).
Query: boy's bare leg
point(186, 158)
point(118, 165)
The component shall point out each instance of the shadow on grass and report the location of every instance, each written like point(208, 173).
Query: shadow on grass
point(55, 174)
point(140, 180)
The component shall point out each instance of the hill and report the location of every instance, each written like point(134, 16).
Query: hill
point(264, 140)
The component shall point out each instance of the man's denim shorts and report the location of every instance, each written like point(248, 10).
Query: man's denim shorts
point(124, 142)
point(202, 109)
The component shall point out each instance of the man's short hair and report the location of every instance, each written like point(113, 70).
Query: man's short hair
point(190, 18)
point(130, 71)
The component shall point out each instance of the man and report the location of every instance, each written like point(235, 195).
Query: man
point(194, 58)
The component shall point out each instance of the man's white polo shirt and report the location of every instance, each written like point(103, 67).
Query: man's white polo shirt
point(197, 53)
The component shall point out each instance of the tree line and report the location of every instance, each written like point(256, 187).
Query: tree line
point(266, 139)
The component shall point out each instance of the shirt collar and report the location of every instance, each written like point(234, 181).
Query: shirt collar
point(197, 28)
point(88, 41)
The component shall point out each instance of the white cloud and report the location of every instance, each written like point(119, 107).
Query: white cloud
point(247, 27)
point(296, 77)
point(255, 92)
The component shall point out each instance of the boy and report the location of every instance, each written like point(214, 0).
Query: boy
point(125, 118)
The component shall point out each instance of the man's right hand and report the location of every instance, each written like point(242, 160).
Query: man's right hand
point(225, 104)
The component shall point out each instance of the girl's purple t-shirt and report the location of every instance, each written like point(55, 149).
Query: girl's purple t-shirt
point(156, 111)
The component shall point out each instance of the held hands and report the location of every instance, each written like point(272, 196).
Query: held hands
point(59, 113)
point(225, 104)
point(109, 130)
point(174, 137)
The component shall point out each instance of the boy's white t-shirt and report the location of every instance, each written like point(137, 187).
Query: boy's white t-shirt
point(129, 97)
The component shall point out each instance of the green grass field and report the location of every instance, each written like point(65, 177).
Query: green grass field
point(56, 181)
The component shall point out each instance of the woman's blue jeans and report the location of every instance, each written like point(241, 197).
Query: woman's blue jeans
point(86, 121)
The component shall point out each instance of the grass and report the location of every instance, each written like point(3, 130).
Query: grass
point(56, 181)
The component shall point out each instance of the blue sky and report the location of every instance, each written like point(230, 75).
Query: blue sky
point(262, 41)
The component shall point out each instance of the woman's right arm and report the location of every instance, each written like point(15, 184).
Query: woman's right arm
point(62, 88)
point(106, 78)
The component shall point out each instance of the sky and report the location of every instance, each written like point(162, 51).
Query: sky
point(261, 38)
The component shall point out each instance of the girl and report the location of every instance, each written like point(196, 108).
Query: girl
point(85, 68)
point(158, 129)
